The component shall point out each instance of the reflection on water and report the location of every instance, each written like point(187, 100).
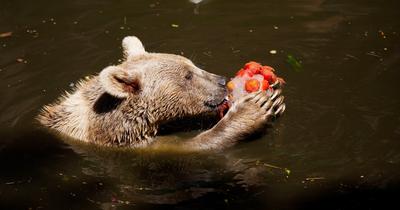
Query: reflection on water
point(336, 147)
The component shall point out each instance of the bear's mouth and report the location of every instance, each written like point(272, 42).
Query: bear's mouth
point(214, 103)
point(217, 99)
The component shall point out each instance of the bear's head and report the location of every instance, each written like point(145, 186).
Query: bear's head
point(170, 86)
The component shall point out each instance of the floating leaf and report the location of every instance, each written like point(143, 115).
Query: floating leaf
point(294, 63)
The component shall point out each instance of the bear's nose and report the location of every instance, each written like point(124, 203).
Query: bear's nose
point(222, 81)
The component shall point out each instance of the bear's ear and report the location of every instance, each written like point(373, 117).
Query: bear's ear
point(132, 47)
point(118, 82)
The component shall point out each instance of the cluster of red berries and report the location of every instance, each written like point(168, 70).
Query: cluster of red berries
point(251, 78)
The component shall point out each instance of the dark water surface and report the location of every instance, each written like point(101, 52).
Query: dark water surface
point(337, 147)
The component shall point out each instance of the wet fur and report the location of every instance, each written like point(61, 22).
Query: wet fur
point(126, 104)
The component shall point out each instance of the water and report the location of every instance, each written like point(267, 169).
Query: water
point(337, 147)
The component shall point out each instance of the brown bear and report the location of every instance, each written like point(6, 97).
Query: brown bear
point(126, 104)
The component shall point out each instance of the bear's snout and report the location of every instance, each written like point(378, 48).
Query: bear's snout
point(222, 81)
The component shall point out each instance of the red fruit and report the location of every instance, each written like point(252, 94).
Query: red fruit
point(273, 79)
point(267, 68)
point(243, 72)
point(248, 73)
point(264, 85)
point(254, 70)
point(268, 75)
point(240, 73)
point(253, 66)
point(252, 85)
point(223, 109)
point(269, 78)
point(230, 85)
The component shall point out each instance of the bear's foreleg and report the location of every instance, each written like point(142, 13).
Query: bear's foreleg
point(247, 116)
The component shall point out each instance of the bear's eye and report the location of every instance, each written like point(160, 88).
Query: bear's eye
point(189, 75)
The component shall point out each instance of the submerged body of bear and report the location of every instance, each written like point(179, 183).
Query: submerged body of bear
point(125, 105)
